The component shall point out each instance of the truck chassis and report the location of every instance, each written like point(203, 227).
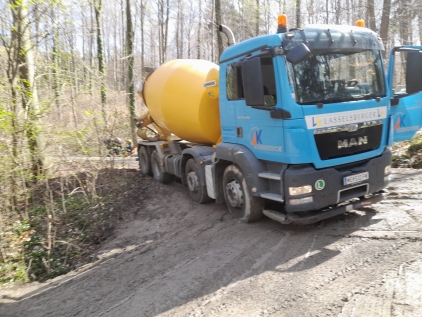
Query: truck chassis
point(252, 188)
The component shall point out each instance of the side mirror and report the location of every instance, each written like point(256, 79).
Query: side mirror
point(253, 86)
point(298, 54)
point(414, 72)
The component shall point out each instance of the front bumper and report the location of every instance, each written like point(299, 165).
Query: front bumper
point(333, 191)
point(308, 217)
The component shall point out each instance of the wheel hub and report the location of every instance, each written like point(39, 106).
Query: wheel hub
point(192, 181)
point(234, 194)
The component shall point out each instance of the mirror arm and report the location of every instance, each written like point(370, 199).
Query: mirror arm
point(394, 101)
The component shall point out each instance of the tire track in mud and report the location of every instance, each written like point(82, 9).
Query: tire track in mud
point(290, 302)
point(215, 264)
point(389, 295)
point(337, 286)
point(344, 279)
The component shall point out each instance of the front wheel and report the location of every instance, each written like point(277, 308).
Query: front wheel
point(196, 191)
point(157, 173)
point(240, 202)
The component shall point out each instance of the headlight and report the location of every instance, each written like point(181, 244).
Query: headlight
point(294, 191)
point(299, 201)
point(387, 170)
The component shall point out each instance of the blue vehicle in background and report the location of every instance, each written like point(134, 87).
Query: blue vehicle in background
point(307, 118)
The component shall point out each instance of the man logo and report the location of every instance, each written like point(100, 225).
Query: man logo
point(352, 142)
point(352, 127)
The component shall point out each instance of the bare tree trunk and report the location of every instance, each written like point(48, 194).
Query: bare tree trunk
point(405, 22)
point(74, 78)
point(116, 79)
point(12, 72)
point(218, 22)
point(142, 36)
point(385, 22)
point(298, 4)
point(130, 86)
point(100, 56)
point(198, 44)
point(182, 31)
point(257, 18)
point(189, 30)
point(371, 15)
point(91, 50)
point(349, 19)
point(160, 30)
point(85, 35)
point(166, 24)
point(123, 37)
point(213, 58)
point(56, 60)
point(327, 12)
point(312, 12)
point(25, 71)
point(163, 21)
point(420, 25)
point(178, 22)
point(338, 12)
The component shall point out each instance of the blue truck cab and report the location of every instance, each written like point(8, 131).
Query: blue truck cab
point(307, 120)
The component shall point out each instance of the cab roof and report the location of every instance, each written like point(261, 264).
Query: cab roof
point(315, 36)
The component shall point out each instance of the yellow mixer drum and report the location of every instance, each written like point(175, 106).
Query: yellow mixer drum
point(179, 103)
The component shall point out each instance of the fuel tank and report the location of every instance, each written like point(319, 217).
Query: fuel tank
point(182, 98)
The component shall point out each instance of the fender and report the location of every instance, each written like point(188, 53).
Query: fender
point(248, 163)
point(200, 153)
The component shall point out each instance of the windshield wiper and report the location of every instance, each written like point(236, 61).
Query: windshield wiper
point(328, 100)
point(367, 96)
point(341, 98)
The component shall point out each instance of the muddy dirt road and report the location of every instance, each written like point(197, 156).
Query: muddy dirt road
point(172, 257)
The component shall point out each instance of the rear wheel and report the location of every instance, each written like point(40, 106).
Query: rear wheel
point(144, 161)
point(197, 192)
point(240, 202)
point(157, 173)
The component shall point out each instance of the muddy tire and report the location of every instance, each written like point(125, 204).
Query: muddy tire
point(144, 161)
point(239, 200)
point(197, 192)
point(157, 173)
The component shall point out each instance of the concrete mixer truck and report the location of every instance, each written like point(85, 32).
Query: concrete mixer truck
point(295, 125)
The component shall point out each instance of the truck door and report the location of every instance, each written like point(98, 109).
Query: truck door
point(257, 114)
point(405, 82)
point(251, 92)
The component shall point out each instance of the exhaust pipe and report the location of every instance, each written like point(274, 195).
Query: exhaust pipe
point(229, 34)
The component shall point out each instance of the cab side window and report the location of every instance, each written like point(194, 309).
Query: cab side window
point(268, 77)
point(234, 81)
point(234, 84)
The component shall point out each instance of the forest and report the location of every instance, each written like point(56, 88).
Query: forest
point(69, 76)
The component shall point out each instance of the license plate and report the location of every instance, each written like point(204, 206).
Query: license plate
point(357, 178)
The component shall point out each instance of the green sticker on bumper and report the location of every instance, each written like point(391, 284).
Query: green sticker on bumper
point(320, 184)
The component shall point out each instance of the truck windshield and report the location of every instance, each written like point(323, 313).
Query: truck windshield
point(328, 77)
